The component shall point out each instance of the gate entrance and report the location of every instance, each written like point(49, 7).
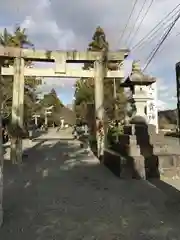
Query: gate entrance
point(61, 70)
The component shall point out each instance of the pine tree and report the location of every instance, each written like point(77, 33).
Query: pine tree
point(84, 94)
point(18, 38)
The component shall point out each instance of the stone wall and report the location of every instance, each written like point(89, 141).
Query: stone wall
point(157, 154)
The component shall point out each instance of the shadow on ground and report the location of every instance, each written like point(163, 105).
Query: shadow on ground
point(121, 163)
point(62, 193)
point(52, 139)
point(38, 133)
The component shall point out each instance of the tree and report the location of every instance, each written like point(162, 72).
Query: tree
point(18, 38)
point(51, 99)
point(5, 38)
point(84, 88)
point(98, 44)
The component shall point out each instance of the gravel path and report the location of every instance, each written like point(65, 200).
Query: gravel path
point(62, 193)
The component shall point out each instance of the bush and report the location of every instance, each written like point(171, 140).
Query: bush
point(113, 133)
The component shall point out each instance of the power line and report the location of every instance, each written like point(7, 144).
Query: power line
point(157, 25)
point(121, 37)
point(155, 34)
point(146, 13)
point(177, 35)
point(137, 19)
point(161, 42)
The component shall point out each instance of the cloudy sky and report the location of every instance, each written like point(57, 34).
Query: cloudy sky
point(63, 24)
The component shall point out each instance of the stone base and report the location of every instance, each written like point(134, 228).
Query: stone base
point(169, 166)
point(139, 168)
point(150, 153)
point(147, 154)
point(143, 133)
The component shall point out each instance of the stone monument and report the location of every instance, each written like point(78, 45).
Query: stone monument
point(145, 153)
point(152, 111)
point(136, 142)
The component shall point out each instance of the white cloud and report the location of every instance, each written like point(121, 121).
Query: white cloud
point(41, 22)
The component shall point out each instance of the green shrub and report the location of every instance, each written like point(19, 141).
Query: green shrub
point(113, 133)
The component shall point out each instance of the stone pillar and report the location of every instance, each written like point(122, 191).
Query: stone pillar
point(17, 109)
point(1, 184)
point(46, 119)
point(1, 166)
point(62, 123)
point(99, 101)
point(140, 98)
point(36, 120)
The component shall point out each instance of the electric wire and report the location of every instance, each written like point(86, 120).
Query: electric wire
point(154, 34)
point(157, 25)
point(137, 18)
point(142, 20)
point(173, 38)
point(155, 50)
point(123, 32)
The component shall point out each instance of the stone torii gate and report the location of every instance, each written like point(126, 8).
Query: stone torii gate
point(61, 70)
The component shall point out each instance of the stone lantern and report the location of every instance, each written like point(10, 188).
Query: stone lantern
point(136, 142)
point(138, 82)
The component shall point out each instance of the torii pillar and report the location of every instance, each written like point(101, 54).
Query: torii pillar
point(99, 75)
point(17, 109)
point(1, 163)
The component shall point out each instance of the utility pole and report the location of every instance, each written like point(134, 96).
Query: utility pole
point(178, 97)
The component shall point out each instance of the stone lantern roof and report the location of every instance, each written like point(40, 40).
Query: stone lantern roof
point(137, 77)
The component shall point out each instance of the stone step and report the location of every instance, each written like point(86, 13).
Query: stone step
point(169, 165)
point(153, 139)
point(170, 173)
point(169, 161)
point(157, 149)
point(166, 149)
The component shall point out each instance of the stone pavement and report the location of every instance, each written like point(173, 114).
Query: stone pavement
point(60, 192)
point(52, 134)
